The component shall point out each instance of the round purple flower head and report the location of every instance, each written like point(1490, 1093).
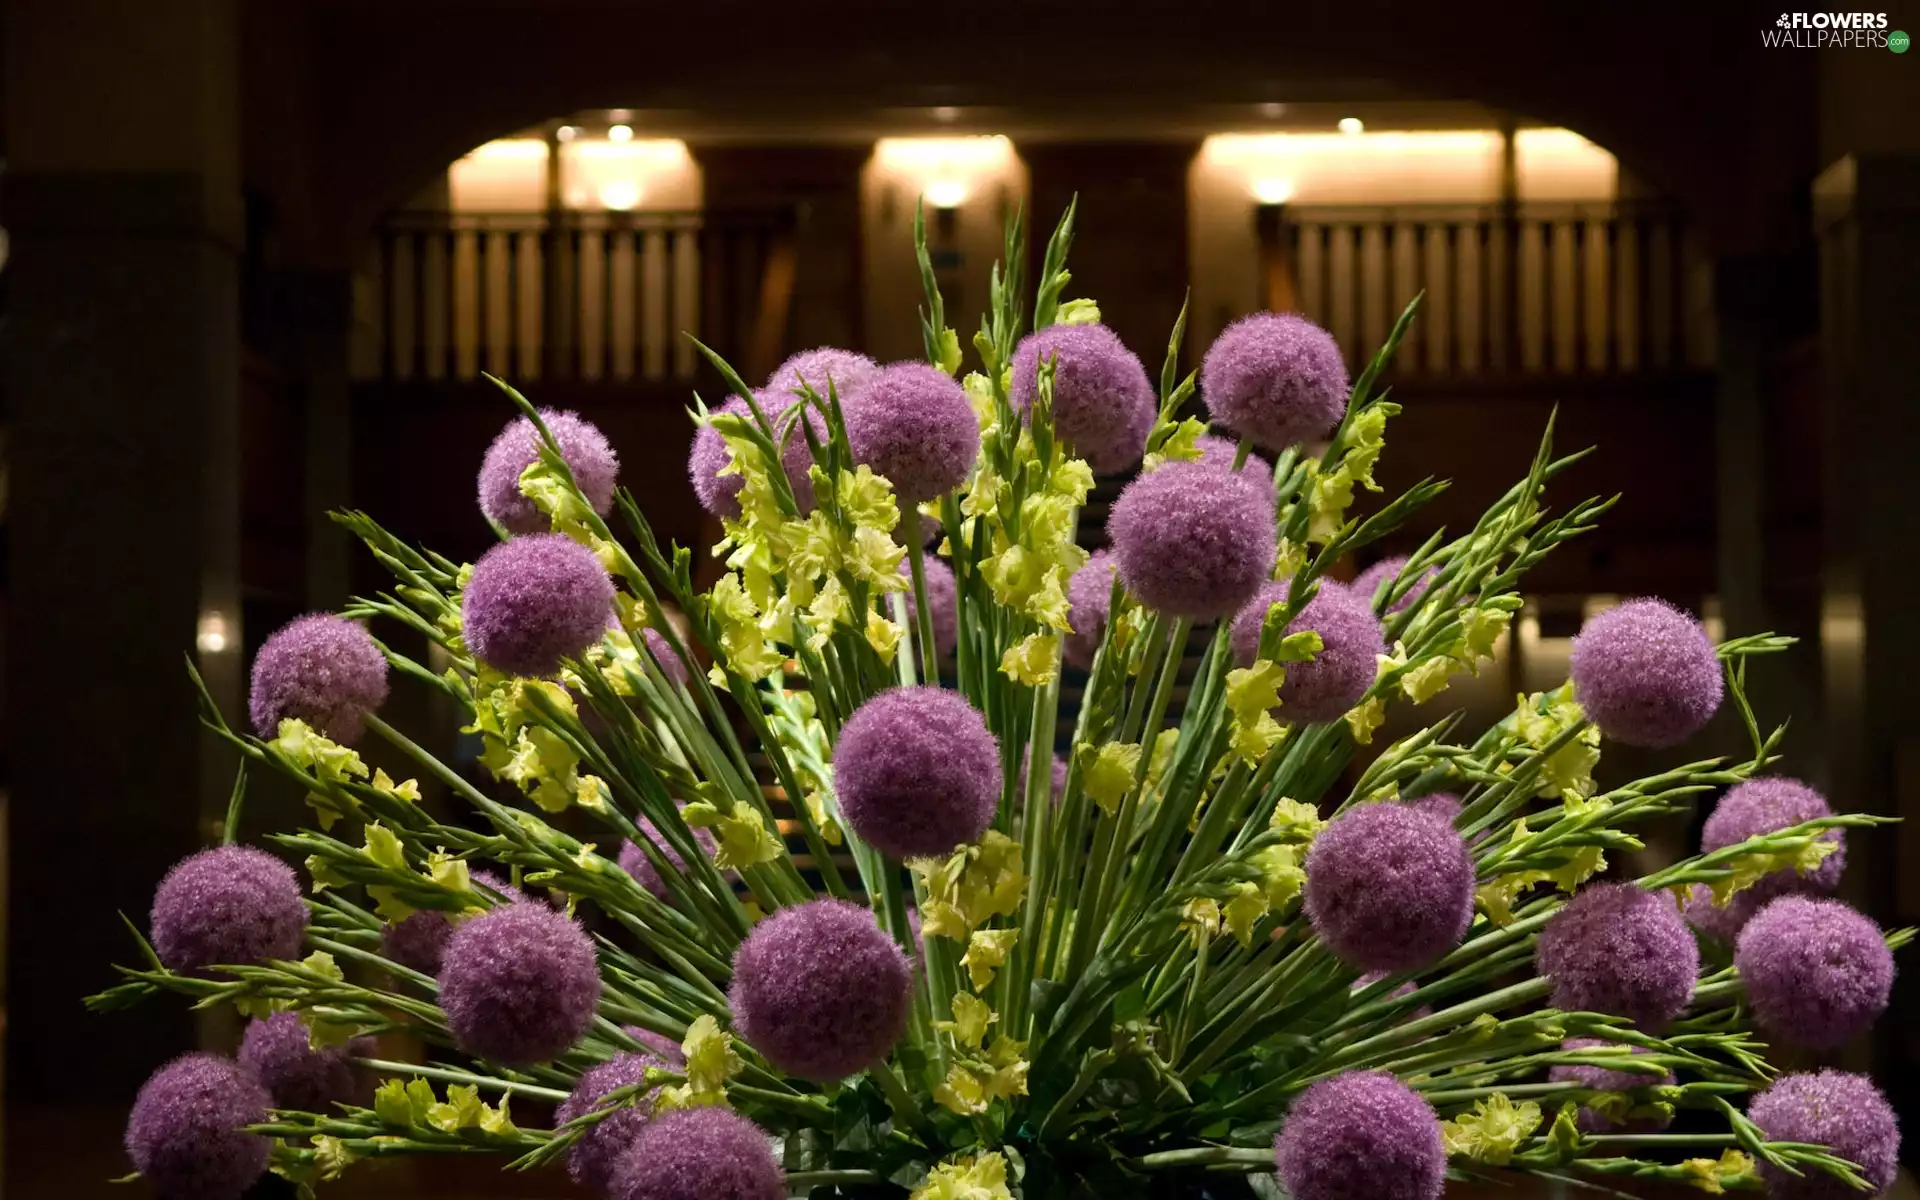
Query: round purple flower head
point(1386, 570)
point(1277, 378)
point(943, 601)
point(1389, 888)
point(1220, 452)
point(1592, 1120)
point(1103, 404)
point(698, 1154)
point(1348, 661)
point(1444, 805)
point(634, 860)
point(184, 1134)
point(1841, 1111)
point(228, 905)
point(671, 664)
point(582, 445)
point(820, 990)
point(1619, 950)
point(846, 369)
point(321, 669)
point(591, 1160)
point(278, 1052)
point(1816, 971)
point(1192, 541)
point(419, 940)
point(1646, 674)
point(1721, 922)
point(519, 985)
point(1089, 594)
point(914, 425)
point(720, 494)
point(917, 771)
point(534, 601)
point(1362, 1133)
point(1761, 806)
point(659, 1045)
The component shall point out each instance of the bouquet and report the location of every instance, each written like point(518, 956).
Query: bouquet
point(1199, 950)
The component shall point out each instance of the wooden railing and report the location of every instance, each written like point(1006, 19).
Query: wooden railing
point(1567, 289)
point(597, 296)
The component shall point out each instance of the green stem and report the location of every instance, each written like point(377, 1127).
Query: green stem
point(922, 614)
point(230, 832)
point(448, 1075)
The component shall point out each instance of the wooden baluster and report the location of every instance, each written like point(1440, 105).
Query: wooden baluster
point(1483, 299)
point(1419, 289)
point(516, 348)
point(450, 353)
point(419, 355)
point(1610, 326)
point(1450, 348)
point(482, 284)
point(1578, 276)
point(1549, 303)
point(608, 236)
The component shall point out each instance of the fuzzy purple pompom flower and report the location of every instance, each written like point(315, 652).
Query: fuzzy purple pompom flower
point(1444, 805)
point(821, 990)
point(1592, 1120)
point(419, 940)
point(1761, 806)
point(1103, 403)
point(280, 1054)
point(228, 905)
point(698, 1154)
point(1361, 1134)
point(519, 985)
point(720, 494)
point(534, 601)
point(1277, 378)
point(1646, 674)
point(913, 424)
point(1817, 972)
point(321, 669)
point(1220, 452)
point(1368, 582)
point(846, 369)
point(917, 772)
point(1839, 1110)
point(592, 1159)
point(671, 664)
point(1348, 662)
point(1192, 541)
point(1721, 922)
point(582, 445)
point(666, 1049)
point(943, 601)
point(1389, 888)
point(634, 860)
point(184, 1135)
point(1089, 596)
point(1619, 950)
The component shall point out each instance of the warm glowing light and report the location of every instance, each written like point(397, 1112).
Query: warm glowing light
point(946, 114)
point(943, 155)
point(566, 133)
point(1272, 191)
point(212, 636)
point(946, 193)
point(620, 195)
point(1352, 126)
point(620, 133)
point(1438, 167)
point(511, 148)
point(1272, 109)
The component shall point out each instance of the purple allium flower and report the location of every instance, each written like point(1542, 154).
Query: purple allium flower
point(591, 1160)
point(1816, 971)
point(662, 1047)
point(821, 990)
point(534, 601)
point(1089, 594)
point(184, 1134)
point(228, 905)
point(519, 985)
point(1619, 950)
point(943, 601)
point(913, 424)
point(1389, 888)
point(1192, 541)
point(720, 494)
point(1348, 661)
point(1103, 404)
point(278, 1052)
point(634, 860)
point(1444, 805)
point(1368, 582)
point(321, 669)
point(1601, 1079)
point(582, 445)
point(847, 370)
point(698, 1154)
point(1646, 674)
point(1361, 1134)
point(1220, 452)
point(671, 664)
point(1761, 806)
point(1842, 1111)
point(917, 772)
point(419, 940)
point(1721, 922)
point(1277, 378)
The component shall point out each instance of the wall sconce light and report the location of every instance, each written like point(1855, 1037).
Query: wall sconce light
point(1271, 190)
point(620, 133)
point(947, 193)
point(620, 195)
point(212, 635)
point(1352, 126)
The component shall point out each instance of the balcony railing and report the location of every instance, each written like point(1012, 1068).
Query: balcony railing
point(1555, 290)
point(600, 297)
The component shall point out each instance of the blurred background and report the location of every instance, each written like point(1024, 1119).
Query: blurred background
point(257, 256)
